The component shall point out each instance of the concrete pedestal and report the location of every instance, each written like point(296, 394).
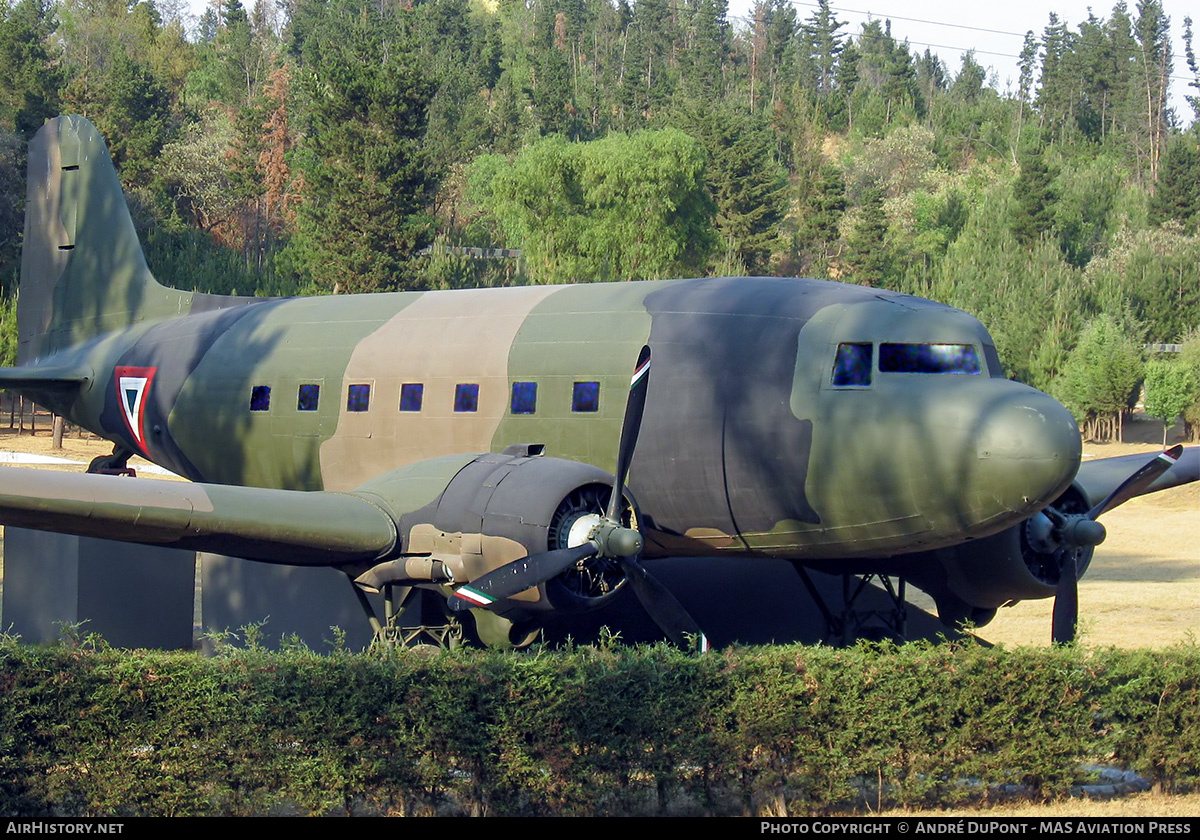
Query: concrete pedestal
point(134, 596)
point(304, 602)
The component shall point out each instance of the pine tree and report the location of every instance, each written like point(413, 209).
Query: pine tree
point(1153, 32)
point(553, 96)
point(1032, 215)
point(368, 182)
point(746, 182)
point(867, 253)
point(1178, 193)
point(706, 44)
point(821, 46)
point(648, 74)
point(1194, 68)
point(29, 86)
point(824, 208)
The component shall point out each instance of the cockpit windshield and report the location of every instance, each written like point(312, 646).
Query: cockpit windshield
point(852, 366)
point(928, 358)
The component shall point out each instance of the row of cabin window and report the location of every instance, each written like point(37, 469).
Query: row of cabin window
point(585, 397)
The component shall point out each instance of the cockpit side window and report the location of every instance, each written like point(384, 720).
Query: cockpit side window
point(852, 366)
point(928, 358)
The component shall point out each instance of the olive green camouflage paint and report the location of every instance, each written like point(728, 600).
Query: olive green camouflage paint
point(710, 472)
point(746, 445)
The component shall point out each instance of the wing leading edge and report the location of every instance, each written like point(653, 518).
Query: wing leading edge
point(273, 526)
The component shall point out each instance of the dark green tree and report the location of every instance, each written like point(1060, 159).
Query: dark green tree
point(705, 49)
point(821, 46)
point(1032, 214)
point(818, 236)
point(30, 83)
point(746, 183)
point(462, 52)
point(931, 75)
point(553, 93)
point(649, 73)
point(1189, 53)
point(368, 181)
point(773, 51)
point(968, 84)
point(887, 87)
point(867, 254)
point(1177, 195)
point(1152, 29)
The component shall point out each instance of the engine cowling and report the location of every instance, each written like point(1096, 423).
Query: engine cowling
point(970, 581)
point(491, 510)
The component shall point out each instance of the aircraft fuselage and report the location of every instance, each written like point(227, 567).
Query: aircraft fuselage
point(788, 417)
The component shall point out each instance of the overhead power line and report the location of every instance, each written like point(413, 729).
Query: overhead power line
point(917, 20)
point(976, 51)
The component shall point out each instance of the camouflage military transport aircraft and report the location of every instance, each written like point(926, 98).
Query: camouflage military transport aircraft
point(468, 442)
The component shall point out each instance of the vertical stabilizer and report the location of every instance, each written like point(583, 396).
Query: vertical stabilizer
point(82, 268)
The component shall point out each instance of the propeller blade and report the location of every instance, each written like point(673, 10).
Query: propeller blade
point(1080, 531)
point(1138, 482)
point(663, 607)
point(630, 427)
point(1066, 603)
point(517, 576)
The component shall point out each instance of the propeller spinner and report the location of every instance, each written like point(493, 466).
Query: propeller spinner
point(600, 536)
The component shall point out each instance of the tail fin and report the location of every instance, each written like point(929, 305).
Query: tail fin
point(82, 268)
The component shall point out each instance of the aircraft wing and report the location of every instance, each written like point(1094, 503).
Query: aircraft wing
point(1100, 477)
point(273, 526)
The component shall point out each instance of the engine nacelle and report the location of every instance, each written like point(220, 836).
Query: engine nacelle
point(463, 516)
point(971, 580)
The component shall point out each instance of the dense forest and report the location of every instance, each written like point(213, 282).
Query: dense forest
point(324, 146)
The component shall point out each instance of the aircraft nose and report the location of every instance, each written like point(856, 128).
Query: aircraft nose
point(1028, 447)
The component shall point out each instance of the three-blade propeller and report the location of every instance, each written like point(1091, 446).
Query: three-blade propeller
point(1072, 535)
point(607, 537)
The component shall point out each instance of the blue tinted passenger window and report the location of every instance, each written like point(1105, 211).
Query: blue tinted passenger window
point(928, 358)
point(260, 398)
point(524, 397)
point(585, 396)
point(358, 398)
point(411, 395)
point(466, 397)
point(308, 398)
point(852, 366)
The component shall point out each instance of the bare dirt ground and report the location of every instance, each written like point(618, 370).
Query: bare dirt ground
point(1135, 805)
point(76, 447)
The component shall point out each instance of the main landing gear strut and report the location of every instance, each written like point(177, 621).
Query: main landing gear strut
point(851, 622)
point(404, 625)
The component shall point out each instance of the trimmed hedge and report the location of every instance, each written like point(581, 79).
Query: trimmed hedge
point(787, 730)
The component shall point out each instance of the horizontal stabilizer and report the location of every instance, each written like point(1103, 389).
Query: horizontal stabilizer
point(1100, 477)
point(43, 378)
point(272, 526)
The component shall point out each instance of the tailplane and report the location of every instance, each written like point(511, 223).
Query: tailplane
point(83, 272)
